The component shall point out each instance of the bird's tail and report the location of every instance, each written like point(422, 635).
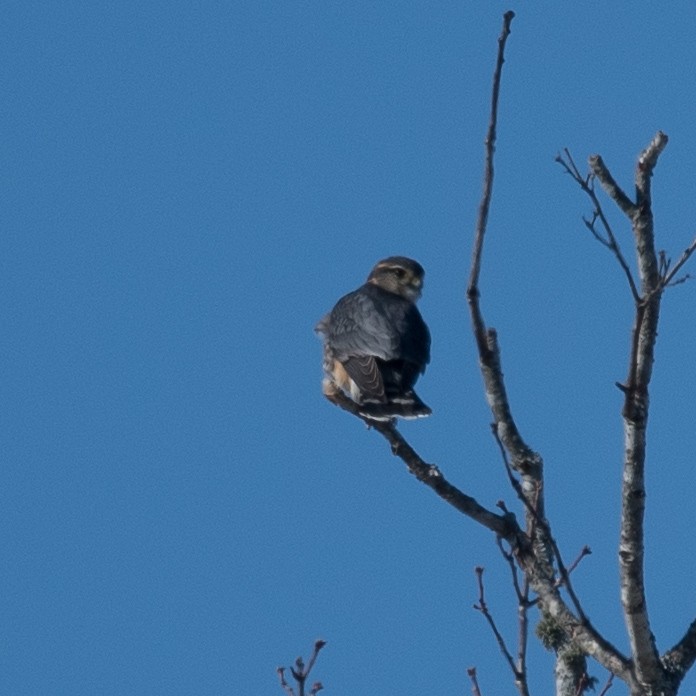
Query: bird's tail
point(407, 406)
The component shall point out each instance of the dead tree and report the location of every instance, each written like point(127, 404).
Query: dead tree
point(540, 576)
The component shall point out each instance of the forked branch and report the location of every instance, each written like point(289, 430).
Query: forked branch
point(518, 670)
point(651, 672)
point(538, 566)
point(608, 239)
point(300, 673)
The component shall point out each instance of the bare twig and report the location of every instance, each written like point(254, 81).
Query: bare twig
point(585, 551)
point(520, 678)
point(587, 185)
point(300, 673)
point(283, 683)
point(510, 560)
point(607, 686)
point(668, 276)
point(485, 204)
point(471, 671)
point(523, 605)
point(318, 645)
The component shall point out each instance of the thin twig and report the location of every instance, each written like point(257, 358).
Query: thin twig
point(471, 671)
point(300, 673)
point(607, 686)
point(510, 560)
point(585, 551)
point(483, 608)
point(587, 185)
point(523, 604)
point(667, 278)
point(318, 645)
point(485, 204)
point(285, 686)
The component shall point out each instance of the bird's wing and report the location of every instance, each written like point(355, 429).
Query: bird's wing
point(366, 375)
point(363, 325)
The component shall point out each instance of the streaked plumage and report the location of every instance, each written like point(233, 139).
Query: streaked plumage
point(376, 343)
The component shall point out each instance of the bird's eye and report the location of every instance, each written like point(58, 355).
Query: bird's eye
point(400, 272)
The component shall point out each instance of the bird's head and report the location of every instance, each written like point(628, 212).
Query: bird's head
point(399, 275)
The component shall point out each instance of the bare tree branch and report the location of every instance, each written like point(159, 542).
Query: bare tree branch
point(612, 189)
point(635, 412)
point(540, 575)
point(318, 645)
point(520, 678)
point(587, 185)
point(300, 673)
point(522, 596)
point(523, 606)
point(538, 565)
point(550, 545)
point(651, 674)
point(585, 551)
point(283, 683)
point(536, 551)
point(429, 474)
point(486, 339)
point(485, 204)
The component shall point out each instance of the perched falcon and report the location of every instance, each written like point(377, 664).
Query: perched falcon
point(376, 343)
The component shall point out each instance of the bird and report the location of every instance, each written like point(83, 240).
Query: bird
point(376, 343)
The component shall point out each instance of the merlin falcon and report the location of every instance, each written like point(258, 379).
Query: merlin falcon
point(376, 343)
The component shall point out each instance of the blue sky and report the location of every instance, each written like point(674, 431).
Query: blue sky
point(187, 188)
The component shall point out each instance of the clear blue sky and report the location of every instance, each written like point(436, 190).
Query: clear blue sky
point(186, 189)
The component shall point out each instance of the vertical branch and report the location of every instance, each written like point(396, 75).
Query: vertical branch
point(538, 566)
point(473, 294)
point(647, 665)
point(491, 135)
point(522, 458)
